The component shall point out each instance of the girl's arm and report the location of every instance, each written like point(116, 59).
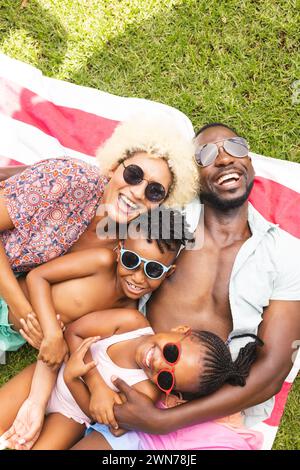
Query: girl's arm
point(104, 324)
point(71, 266)
point(75, 369)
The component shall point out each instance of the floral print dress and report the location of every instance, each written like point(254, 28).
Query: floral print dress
point(50, 204)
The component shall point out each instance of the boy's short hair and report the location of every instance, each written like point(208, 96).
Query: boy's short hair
point(168, 227)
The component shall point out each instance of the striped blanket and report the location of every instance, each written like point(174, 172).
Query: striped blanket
point(42, 117)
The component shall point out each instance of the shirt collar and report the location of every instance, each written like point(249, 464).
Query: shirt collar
point(257, 222)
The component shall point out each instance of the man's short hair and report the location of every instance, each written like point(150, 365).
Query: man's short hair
point(216, 124)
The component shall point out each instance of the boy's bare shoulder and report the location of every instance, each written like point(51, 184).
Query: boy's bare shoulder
point(102, 257)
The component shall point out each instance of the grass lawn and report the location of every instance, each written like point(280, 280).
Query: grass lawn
point(230, 61)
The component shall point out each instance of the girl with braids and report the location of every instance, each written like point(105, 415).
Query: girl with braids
point(218, 366)
point(191, 362)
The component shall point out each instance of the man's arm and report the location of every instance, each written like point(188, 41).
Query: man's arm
point(279, 330)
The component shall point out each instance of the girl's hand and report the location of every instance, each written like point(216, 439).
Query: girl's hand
point(31, 329)
point(26, 427)
point(105, 405)
point(53, 351)
point(117, 432)
point(75, 366)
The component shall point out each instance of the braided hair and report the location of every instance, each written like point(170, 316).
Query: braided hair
point(168, 227)
point(219, 368)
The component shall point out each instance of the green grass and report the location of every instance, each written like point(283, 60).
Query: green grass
point(230, 61)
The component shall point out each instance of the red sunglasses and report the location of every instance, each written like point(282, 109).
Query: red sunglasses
point(165, 379)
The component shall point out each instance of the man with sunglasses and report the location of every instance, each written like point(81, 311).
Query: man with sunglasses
point(245, 278)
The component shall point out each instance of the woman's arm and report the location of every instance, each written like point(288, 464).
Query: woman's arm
point(28, 423)
point(8, 171)
point(71, 266)
point(10, 290)
point(43, 382)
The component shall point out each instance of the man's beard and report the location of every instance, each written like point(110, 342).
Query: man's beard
point(225, 204)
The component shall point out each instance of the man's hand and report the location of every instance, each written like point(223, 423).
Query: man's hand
point(76, 366)
point(26, 427)
point(53, 351)
point(138, 413)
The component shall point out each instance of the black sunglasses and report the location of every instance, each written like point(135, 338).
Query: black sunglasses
point(133, 175)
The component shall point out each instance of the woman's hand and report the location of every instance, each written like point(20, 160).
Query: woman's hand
point(26, 427)
point(54, 350)
point(31, 329)
point(76, 366)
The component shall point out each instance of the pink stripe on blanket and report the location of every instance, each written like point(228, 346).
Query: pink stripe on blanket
point(75, 129)
point(280, 401)
point(277, 203)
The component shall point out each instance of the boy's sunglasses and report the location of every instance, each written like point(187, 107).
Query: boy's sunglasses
point(133, 175)
point(207, 153)
point(152, 269)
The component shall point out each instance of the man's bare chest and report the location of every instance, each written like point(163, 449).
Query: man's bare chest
point(198, 293)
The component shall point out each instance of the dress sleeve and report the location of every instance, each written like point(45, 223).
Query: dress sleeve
point(54, 188)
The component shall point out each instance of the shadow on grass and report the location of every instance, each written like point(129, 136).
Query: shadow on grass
point(214, 63)
point(34, 21)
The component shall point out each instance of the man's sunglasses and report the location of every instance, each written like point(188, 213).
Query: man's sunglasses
point(133, 175)
point(207, 153)
point(152, 269)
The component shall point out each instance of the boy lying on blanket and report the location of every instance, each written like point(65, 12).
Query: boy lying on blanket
point(95, 279)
